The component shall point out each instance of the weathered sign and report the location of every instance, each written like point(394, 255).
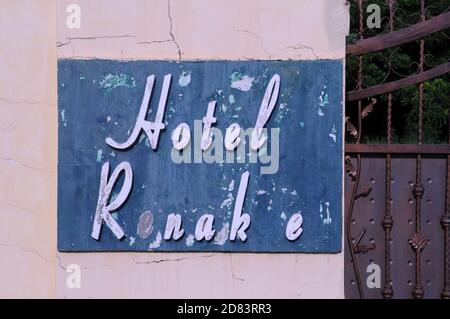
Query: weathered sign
point(241, 156)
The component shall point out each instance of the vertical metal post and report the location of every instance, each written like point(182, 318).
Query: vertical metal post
point(418, 240)
point(388, 221)
point(358, 165)
point(445, 222)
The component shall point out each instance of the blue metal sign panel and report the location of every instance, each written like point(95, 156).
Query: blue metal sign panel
point(241, 156)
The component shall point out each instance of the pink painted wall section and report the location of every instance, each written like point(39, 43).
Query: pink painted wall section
point(200, 29)
point(28, 127)
point(33, 34)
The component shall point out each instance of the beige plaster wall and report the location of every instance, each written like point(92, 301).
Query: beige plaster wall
point(33, 34)
point(28, 122)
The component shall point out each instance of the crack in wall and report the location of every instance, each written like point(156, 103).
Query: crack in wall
point(34, 252)
point(172, 39)
point(60, 264)
point(303, 47)
point(63, 267)
point(15, 162)
point(155, 41)
point(157, 261)
point(26, 109)
point(171, 30)
point(13, 122)
point(260, 40)
point(7, 204)
point(232, 270)
point(24, 102)
point(70, 39)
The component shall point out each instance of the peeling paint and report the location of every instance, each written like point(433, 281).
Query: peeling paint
point(223, 108)
point(190, 240)
point(228, 202)
point(333, 133)
point(241, 81)
point(63, 117)
point(157, 242)
point(323, 102)
point(282, 111)
point(327, 219)
point(184, 79)
point(231, 186)
point(99, 155)
point(110, 81)
point(222, 235)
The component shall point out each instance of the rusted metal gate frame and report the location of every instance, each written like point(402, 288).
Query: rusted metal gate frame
point(417, 240)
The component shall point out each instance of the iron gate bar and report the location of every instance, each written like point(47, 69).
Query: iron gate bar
point(445, 223)
point(405, 35)
point(418, 241)
point(399, 84)
point(357, 174)
point(388, 222)
point(434, 149)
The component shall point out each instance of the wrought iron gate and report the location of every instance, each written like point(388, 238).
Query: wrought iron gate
point(397, 196)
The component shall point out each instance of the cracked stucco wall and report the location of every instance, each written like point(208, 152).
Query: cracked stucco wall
point(33, 34)
point(28, 122)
